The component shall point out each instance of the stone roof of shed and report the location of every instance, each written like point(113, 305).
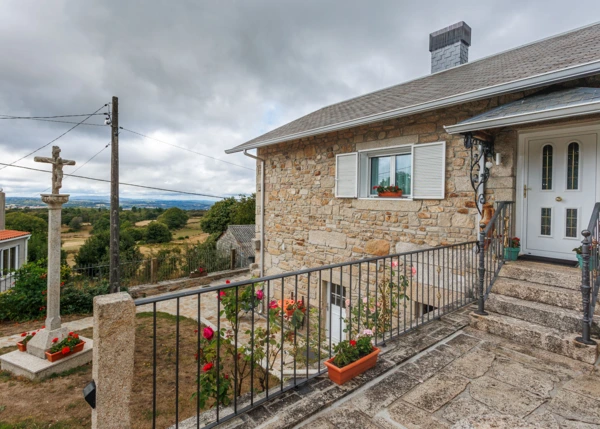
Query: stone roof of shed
point(242, 233)
point(563, 51)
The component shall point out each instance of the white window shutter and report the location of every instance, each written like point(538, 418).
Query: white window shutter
point(346, 175)
point(429, 171)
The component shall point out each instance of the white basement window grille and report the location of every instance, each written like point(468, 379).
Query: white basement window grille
point(419, 170)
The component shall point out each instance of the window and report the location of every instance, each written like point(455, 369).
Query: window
point(573, 166)
point(419, 170)
point(393, 170)
point(571, 224)
point(546, 221)
point(9, 260)
point(547, 168)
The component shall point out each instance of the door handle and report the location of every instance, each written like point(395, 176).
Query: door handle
point(559, 199)
point(525, 189)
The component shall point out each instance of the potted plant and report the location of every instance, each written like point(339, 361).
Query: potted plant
point(25, 338)
point(579, 256)
point(512, 251)
point(352, 357)
point(388, 191)
point(71, 344)
point(198, 272)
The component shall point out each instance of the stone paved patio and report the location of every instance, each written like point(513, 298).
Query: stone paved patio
point(472, 380)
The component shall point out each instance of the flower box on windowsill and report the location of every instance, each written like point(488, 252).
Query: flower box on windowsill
point(53, 357)
point(390, 194)
point(347, 373)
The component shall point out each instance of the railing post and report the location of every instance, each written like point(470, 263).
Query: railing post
point(232, 260)
point(481, 271)
point(153, 270)
point(585, 289)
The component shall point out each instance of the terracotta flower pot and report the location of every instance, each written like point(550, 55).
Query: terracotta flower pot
point(53, 357)
point(390, 194)
point(22, 347)
point(342, 375)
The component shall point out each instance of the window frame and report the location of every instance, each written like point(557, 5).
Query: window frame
point(392, 152)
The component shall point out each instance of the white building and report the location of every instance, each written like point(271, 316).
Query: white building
point(13, 249)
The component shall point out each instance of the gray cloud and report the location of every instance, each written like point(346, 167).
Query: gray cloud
point(210, 75)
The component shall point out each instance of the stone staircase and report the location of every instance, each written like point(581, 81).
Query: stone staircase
point(538, 305)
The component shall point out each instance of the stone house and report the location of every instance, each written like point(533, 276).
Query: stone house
point(241, 238)
point(13, 249)
point(524, 122)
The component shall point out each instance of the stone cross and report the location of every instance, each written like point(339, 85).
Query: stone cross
point(57, 166)
point(43, 340)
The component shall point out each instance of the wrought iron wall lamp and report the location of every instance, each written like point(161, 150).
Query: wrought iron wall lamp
point(474, 141)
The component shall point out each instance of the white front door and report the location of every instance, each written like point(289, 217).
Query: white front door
point(336, 322)
point(559, 193)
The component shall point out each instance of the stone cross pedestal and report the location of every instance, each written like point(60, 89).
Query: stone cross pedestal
point(38, 345)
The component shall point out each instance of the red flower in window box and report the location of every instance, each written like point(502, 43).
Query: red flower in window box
point(388, 191)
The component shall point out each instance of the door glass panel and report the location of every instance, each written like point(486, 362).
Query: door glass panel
point(546, 221)
point(573, 166)
point(380, 172)
point(338, 295)
point(547, 153)
point(571, 230)
point(403, 169)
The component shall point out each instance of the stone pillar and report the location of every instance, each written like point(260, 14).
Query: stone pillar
point(43, 340)
point(114, 341)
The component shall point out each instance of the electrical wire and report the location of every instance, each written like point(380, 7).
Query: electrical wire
point(52, 141)
point(62, 122)
point(120, 183)
point(185, 148)
point(50, 117)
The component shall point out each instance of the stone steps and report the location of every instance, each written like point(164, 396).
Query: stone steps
point(562, 319)
point(534, 335)
point(536, 292)
point(546, 274)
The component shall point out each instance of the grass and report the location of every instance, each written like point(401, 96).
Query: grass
point(26, 404)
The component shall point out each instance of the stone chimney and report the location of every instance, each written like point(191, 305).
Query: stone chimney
point(449, 46)
point(2, 210)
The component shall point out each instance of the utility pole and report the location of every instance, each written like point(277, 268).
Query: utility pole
point(114, 198)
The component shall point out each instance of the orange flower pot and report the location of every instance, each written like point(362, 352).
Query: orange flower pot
point(390, 194)
point(53, 357)
point(22, 347)
point(347, 373)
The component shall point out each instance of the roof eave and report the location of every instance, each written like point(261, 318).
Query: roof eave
point(548, 78)
point(526, 118)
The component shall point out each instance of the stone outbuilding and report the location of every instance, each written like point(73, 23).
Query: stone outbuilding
point(241, 238)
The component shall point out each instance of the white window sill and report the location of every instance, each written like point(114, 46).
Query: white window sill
point(385, 199)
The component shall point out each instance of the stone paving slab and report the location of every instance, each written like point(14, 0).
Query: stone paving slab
point(473, 380)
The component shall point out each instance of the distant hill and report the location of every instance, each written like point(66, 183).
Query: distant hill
point(104, 202)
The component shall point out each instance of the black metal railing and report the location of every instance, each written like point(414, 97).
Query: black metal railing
point(166, 267)
point(494, 237)
point(590, 274)
point(257, 338)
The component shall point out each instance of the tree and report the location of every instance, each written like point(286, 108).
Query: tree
point(95, 250)
point(101, 225)
point(37, 247)
point(174, 218)
point(75, 223)
point(218, 217)
point(244, 211)
point(157, 232)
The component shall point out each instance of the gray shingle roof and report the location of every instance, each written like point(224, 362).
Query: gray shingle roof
point(242, 233)
point(539, 103)
point(578, 47)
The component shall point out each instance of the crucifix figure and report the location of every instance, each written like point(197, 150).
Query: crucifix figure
point(53, 328)
point(57, 166)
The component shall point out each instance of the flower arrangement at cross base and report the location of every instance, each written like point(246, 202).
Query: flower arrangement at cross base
point(25, 338)
point(198, 272)
point(60, 349)
point(352, 357)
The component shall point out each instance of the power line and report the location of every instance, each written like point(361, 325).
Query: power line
point(52, 141)
point(186, 149)
point(120, 183)
point(61, 122)
point(49, 117)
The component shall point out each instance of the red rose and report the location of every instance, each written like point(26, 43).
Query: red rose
point(227, 282)
point(33, 334)
point(207, 367)
point(221, 295)
point(24, 334)
point(208, 333)
point(76, 336)
point(273, 304)
point(226, 376)
point(352, 342)
point(195, 331)
point(65, 350)
point(54, 340)
point(70, 334)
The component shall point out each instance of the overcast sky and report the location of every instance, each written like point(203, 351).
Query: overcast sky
point(210, 75)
